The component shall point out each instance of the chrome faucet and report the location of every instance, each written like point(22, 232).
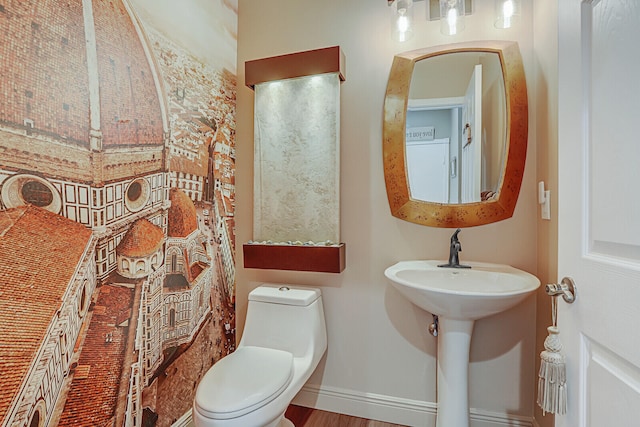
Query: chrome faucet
point(454, 258)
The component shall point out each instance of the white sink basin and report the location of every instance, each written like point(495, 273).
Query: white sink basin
point(457, 293)
point(458, 297)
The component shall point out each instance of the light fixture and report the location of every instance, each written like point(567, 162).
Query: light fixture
point(402, 19)
point(451, 16)
point(506, 12)
point(450, 13)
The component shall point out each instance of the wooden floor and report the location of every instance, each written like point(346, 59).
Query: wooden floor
point(305, 417)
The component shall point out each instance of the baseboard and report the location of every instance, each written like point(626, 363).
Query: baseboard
point(481, 418)
point(408, 412)
point(395, 410)
point(186, 420)
point(367, 405)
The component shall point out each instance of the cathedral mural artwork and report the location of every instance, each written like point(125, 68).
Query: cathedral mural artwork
point(117, 196)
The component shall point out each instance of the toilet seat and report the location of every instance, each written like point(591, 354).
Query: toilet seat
point(244, 381)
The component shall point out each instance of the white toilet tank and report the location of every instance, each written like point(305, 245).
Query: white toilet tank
point(288, 318)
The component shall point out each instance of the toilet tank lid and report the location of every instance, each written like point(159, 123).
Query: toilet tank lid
point(284, 294)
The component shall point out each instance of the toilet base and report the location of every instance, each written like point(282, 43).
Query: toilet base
point(285, 423)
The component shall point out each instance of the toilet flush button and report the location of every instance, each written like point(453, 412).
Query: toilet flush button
point(283, 288)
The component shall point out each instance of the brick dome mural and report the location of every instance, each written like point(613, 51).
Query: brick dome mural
point(182, 214)
point(142, 239)
point(117, 174)
point(97, 80)
point(141, 250)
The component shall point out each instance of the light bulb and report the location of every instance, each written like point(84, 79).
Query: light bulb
point(452, 19)
point(402, 20)
point(451, 16)
point(506, 13)
point(403, 24)
point(507, 9)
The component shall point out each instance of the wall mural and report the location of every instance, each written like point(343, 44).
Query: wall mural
point(117, 195)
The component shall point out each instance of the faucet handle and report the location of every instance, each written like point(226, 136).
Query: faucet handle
point(454, 248)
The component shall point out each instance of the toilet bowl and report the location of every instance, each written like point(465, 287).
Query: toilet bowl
point(283, 340)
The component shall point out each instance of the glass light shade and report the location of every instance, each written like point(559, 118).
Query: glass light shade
point(507, 13)
point(402, 20)
point(451, 16)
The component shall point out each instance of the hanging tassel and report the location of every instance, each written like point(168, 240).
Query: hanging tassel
point(552, 380)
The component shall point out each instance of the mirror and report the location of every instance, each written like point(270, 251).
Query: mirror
point(455, 133)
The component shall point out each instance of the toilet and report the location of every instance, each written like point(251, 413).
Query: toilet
point(284, 338)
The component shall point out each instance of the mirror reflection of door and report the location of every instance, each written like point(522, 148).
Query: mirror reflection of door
point(448, 92)
point(471, 164)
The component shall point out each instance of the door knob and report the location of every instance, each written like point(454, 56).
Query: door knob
point(566, 288)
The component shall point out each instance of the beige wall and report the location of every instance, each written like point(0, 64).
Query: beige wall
point(381, 361)
point(545, 18)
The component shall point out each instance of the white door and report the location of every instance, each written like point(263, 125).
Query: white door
point(428, 170)
point(471, 179)
point(599, 209)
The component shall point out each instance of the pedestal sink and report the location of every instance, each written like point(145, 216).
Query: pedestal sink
point(458, 297)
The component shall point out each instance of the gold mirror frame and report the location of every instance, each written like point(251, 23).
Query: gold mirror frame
point(394, 131)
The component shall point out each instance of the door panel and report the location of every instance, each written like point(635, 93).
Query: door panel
point(616, 395)
point(615, 146)
point(599, 209)
point(471, 167)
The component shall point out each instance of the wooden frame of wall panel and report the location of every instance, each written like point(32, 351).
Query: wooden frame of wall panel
point(326, 259)
point(299, 64)
point(323, 259)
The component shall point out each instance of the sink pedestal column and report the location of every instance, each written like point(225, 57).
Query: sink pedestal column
point(454, 338)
